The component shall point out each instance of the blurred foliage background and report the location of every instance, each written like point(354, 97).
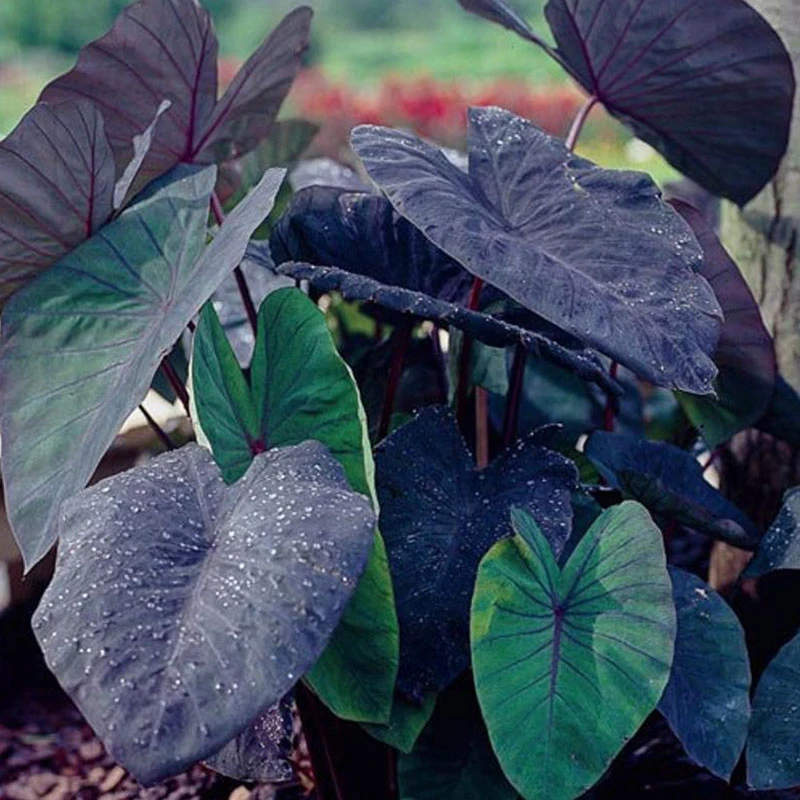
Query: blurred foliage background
point(415, 63)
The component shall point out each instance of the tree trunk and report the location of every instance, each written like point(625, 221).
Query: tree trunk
point(762, 238)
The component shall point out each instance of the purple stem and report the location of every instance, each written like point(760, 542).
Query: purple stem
point(514, 395)
point(177, 384)
point(462, 390)
point(157, 429)
point(578, 122)
point(401, 338)
point(241, 283)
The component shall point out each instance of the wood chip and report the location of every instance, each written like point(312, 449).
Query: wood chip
point(240, 793)
point(113, 779)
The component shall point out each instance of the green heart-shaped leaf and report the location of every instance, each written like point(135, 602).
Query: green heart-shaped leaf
point(569, 663)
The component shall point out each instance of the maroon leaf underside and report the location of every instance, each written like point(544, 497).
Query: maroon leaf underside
point(56, 188)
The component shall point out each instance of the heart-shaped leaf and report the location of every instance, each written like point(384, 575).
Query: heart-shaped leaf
point(56, 188)
point(773, 748)
point(670, 483)
point(707, 699)
point(206, 603)
point(439, 516)
point(262, 751)
point(453, 759)
point(595, 252)
point(358, 245)
point(745, 354)
point(780, 547)
point(708, 83)
point(301, 389)
point(80, 345)
point(569, 663)
point(167, 49)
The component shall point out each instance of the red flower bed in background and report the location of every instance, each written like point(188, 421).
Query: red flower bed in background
point(431, 108)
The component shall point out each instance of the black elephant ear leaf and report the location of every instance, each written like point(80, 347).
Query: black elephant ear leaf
point(707, 699)
point(773, 747)
point(670, 483)
point(141, 147)
point(167, 49)
point(358, 245)
point(502, 13)
point(439, 516)
point(157, 49)
point(246, 112)
point(56, 188)
point(780, 547)
point(708, 83)
point(616, 262)
point(262, 751)
point(745, 354)
point(115, 306)
point(208, 603)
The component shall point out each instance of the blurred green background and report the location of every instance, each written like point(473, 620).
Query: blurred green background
point(356, 43)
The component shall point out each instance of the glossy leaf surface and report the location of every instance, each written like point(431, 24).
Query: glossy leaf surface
point(207, 603)
point(773, 749)
point(75, 363)
point(56, 188)
point(670, 483)
point(569, 663)
point(453, 759)
point(300, 389)
point(439, 516)
point(593, 251)
point(780, 547)
point(745, 354)
point(707, 699)
point(708, 83)
point(167, 49)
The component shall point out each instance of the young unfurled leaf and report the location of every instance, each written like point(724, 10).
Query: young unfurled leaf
point(207, 603)
point(262, 751)
point(670, 483)
point(569, 662)
point(745, 354)
point(300, 389)
point(167, 49)
point(773, 748)
point(439, 516)
point(453, 758)
point(780, 547)
point(80, 345)
point(595, 252)
point(707, 699)
point(56, 188)
point(358, 245)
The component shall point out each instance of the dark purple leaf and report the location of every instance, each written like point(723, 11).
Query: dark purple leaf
point(439, 516)
point(780, 547)
point(246, 112)
point(167, 49)
point(593, 251)
point(706, 82)
point(745, 354)
point(157, 49)
point(56, 188)
point(262, 751)
point(782, 418)
point(670, 483)
point(367, 251)
point(206, 603)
